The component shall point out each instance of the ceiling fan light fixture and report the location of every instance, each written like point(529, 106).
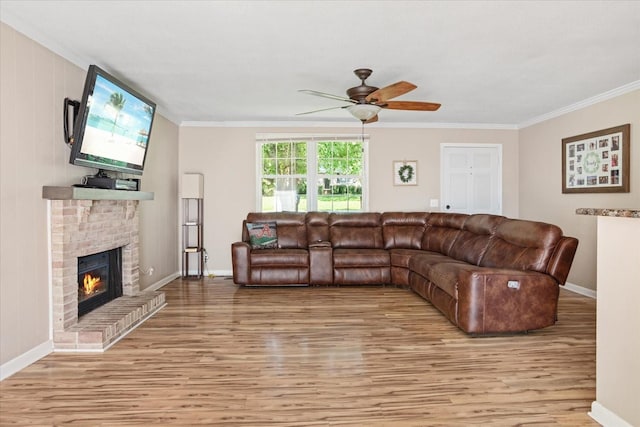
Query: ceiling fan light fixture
point(363, 112)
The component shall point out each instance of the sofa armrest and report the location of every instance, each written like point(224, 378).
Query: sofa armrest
point(241, 261)
point(562, 257)
point(320, 263)
point(504, 300)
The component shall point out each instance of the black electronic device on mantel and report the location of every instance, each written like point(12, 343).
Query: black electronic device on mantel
point(113, 126)
point(101, 180)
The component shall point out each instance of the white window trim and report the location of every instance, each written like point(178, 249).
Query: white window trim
point(311, 163)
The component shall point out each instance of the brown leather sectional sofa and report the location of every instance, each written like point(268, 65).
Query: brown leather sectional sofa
point(487, 274)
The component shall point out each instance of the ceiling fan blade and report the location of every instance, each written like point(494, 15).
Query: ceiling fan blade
point(391, 91)
point(322, 109)
point(372, 119)
point(327, 95)
point(411, 105)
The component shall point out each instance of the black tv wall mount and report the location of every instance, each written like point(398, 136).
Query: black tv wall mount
point(74, 106)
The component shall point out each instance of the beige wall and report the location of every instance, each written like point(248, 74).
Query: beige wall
point(541, 196)
point(33, 84)
point(159, 238)
point(423, 145)
point(226, 158)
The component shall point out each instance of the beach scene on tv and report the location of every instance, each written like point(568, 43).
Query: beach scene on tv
point(118, 124)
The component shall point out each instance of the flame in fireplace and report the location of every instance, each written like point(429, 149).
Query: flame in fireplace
point(90, 283)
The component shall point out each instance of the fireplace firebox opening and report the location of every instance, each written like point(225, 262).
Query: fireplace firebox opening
point(99, 279)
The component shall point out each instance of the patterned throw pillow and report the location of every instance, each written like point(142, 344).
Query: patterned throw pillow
point(263, 235)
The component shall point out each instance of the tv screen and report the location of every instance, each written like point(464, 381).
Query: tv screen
point(113, 125)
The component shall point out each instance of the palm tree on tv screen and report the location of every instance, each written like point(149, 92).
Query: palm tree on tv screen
point(117, 101)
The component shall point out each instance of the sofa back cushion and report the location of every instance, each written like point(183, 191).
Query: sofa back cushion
point(292, 231)
point(403, 230)
point(442, 230)
point(317, 226)
point(523, 245)
point(360, 230)
point(473, 240)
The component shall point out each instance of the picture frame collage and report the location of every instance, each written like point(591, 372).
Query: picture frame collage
point(596, 162)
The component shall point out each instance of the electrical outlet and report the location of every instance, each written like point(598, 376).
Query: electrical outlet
point(151, 270)
point(434, 203)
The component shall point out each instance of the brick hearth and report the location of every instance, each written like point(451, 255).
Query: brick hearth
point(84, 227)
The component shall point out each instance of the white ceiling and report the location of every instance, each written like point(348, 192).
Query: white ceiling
point(487, 62)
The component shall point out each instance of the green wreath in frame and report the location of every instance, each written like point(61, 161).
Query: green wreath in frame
point(591, 162)
point(406, 173)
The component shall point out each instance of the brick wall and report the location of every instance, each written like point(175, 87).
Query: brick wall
point(86, 227)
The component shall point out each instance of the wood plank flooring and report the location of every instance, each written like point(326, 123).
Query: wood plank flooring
point(222, 355)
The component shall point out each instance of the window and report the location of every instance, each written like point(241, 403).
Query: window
point(311, 173)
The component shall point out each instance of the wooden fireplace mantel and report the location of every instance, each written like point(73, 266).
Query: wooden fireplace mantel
point(84, 193)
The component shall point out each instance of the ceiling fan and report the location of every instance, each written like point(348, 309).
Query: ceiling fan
point(366, 101)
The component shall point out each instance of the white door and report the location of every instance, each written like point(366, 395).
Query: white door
point(471, 178)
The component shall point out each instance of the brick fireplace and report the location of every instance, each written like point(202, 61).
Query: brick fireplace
point(85, 222)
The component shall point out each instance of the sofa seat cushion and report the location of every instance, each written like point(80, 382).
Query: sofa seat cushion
point(401, 257)
point(361, 267)
point(280, 258)
point(422, 262)
point(446, 275)
point(354, 258)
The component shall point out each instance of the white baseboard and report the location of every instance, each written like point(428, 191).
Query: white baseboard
point(214, 273)
point(162, 282)
point(218, 273)
point(605, 417)
point(580, 290)
point(25, 359)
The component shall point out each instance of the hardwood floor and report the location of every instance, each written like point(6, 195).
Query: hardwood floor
point(220, 355)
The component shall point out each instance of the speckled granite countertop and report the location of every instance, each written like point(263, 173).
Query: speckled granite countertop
point(623, 213)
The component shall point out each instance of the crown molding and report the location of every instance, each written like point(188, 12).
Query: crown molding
point(356, 125)
point(622, 90)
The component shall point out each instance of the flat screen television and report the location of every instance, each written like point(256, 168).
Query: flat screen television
point(113, 125)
